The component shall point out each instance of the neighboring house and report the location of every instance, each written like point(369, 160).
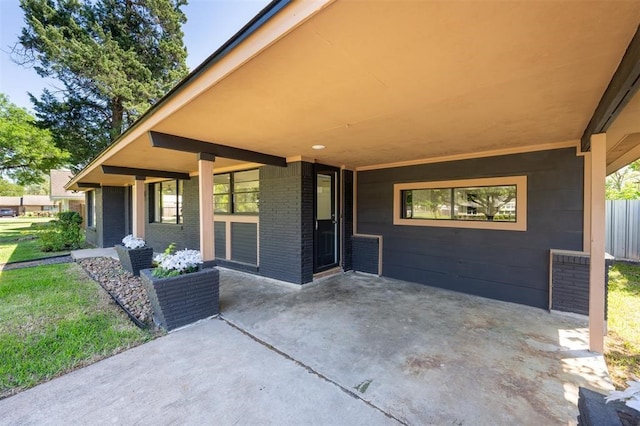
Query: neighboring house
point(65, 200)
point(12, 203)
point(37, 205)
point(300, 145)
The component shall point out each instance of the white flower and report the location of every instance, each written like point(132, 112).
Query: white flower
point(132, 242)
point(630, 394)
point(180, 261)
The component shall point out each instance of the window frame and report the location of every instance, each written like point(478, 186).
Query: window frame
point(520, 183)
point(153, 207)
point(232, 194)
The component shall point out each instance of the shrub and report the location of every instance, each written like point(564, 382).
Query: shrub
point(65, 233)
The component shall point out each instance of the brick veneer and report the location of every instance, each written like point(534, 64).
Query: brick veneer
point(570, 282)
point(365, 254)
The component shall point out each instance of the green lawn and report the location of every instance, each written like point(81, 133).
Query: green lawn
point(18, 239)
point(622, 350)
point(54, 319)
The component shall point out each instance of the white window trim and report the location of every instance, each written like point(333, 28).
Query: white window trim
point(521, 203)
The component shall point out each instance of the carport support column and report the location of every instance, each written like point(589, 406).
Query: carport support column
point(597, 246)
point(205, 187)
point(138, 207)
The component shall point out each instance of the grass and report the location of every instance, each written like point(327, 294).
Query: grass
point(54, 319)
point(622, 350)
point(18, 239)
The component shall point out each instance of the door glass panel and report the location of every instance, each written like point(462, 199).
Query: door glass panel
point(323, 201)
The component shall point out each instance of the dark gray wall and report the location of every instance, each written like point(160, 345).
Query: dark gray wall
point(286, 222)
point(504, 265)
point(110, 226)
point(347, 219)
point(184, 235)
point(220, 237)
point(111, 214)
point(244, 243)
point(570, 285)
point(366, 252)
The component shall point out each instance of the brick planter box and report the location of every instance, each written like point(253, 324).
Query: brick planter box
point(178, 301)
point(594, 411)
point(133, 260)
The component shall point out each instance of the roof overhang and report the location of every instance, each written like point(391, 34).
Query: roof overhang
point(387, 82)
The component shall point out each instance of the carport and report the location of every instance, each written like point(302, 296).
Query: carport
point(423, 355)
point(541, 96)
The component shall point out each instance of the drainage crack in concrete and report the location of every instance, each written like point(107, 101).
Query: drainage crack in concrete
point(309, 369)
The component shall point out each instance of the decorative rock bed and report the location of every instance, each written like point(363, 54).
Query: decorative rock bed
point(122, 286)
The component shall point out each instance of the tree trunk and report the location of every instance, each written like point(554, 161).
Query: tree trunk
point(117, 113)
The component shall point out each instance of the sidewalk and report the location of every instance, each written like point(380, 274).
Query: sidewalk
point(209, 373)
point(94, 252)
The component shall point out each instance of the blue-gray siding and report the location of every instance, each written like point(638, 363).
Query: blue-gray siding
point(220, 239)
point(244, 243)
point(504, 265)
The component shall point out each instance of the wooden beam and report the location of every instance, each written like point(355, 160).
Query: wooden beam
point(129, 171)
point(624, 84)
point(138, 208)
point(178, 143)
point(597, 269)
point(205, 199)
point(88, 185)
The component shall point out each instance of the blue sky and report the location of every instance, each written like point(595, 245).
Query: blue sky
point(209, 24)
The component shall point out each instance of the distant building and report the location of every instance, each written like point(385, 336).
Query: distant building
point(38, 205)
point(63, 199)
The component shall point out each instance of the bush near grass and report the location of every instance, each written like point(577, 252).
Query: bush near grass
point(65, 233)
point(622, 351)
point(54, 319)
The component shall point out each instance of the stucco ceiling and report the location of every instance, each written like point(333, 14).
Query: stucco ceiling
point(381, 82)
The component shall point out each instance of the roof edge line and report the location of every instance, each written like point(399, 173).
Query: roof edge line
point(252, 26)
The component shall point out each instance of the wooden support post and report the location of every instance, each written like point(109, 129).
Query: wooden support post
point(138, 207)
point(597, 262)
point(205, 180)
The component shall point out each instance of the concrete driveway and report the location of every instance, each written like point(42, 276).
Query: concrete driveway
point(425, 355)
point(352, 349)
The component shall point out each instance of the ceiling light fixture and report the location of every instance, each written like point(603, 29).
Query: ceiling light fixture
point(318, 147)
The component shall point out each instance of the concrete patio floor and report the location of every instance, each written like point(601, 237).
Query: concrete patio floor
point(421, 354)
point(351, 349)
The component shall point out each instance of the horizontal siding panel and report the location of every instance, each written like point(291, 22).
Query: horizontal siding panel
point(504, 265)
point(220, 237)
point(244, 243)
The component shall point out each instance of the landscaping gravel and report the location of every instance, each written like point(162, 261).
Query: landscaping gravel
point(128, 289)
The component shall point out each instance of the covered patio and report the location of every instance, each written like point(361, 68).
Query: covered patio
point(374, 97)
point(422, 354)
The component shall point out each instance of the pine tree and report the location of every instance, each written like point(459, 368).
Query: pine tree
point(114, 59)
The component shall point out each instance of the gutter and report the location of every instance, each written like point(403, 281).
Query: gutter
point(252, 26)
